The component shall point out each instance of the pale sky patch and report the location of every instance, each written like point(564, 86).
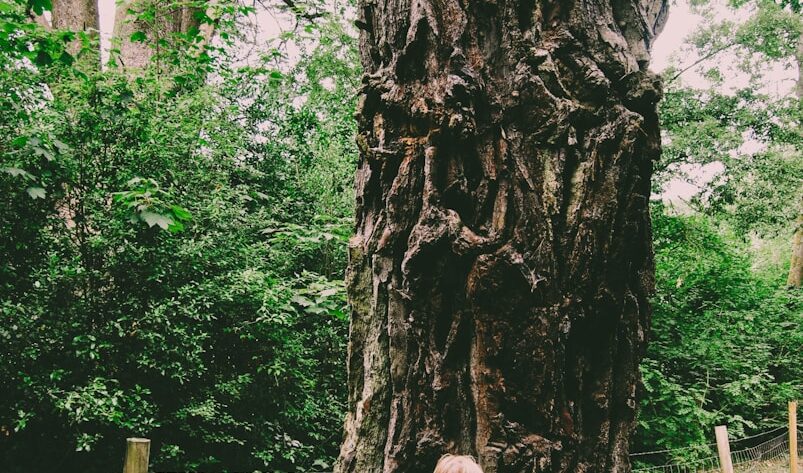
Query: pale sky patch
point(669, 48)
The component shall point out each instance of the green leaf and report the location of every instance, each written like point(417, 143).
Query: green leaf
point(61, 146)
point(153, 218)
point(43, 58)
point(36, 192)
point(67, 37)
point(66, 58)
point(302, 301)
point(17, 172)
point(43, 152)
point(176, 227)
point(39, 6)
point(139, 37)
point(180, 212)
point(329, 292)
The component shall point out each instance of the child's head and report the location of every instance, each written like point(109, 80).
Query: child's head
point(457, 464)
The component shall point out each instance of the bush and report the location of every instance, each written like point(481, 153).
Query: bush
point(724, 341)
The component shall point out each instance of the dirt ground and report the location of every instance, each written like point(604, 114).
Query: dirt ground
point(774, 466)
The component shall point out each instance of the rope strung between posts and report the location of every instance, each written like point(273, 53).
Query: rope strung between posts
point(777, 447)
point(748, 458)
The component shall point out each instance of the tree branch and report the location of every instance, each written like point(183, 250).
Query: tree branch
point(291, 4)
point(704, 58)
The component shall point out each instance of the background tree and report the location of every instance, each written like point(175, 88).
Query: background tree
point(172, 253)
point(722, 258)
point(144, 28)
point(74, 15)
point(795, 279)
point(770, 36)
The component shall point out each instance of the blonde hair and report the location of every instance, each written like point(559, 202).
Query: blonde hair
point(457, 464)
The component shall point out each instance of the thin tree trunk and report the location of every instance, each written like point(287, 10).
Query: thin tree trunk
point(795, 277)
point(501, 267)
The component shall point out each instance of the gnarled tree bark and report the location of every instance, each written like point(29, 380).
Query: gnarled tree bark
point(501, 267)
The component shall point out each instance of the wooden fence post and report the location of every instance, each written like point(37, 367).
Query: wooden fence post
point(724, 449)
point(792, 436)
point(136, 455)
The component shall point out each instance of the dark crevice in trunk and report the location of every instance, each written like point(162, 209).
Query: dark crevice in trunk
point(525, 10)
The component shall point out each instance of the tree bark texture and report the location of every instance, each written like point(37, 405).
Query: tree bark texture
point(170, 18)
point(795, 278)
point(77, 15)
point(501, 267)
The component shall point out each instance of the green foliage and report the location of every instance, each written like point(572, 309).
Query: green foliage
point(707, 126)
point(762, 194)
point(147, 203)
point(724, 340)
point(772, 32)
point(189, 48)
point(757, 141)
point(21, 39)
point(725, 334)
point(172, 258)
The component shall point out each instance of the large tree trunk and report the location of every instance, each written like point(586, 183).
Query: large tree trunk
point(501, 268)
point(171, 17)
point(78, 16)
point(75, 15)
point(795, 277)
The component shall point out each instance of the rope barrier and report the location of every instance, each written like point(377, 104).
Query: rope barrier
point(748, 459)
point(670, 450)
point(713, 444)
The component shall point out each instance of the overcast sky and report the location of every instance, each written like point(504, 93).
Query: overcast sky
point(681, 22)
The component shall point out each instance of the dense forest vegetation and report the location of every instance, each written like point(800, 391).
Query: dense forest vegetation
point(173, 242)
